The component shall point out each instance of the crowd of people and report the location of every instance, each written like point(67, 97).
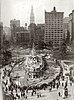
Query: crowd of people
point(11, 88)
point(18, 92)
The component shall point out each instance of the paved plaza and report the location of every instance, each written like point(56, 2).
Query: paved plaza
point(53, 95)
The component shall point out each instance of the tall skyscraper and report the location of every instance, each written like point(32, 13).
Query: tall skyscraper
point(0, 10)
point(1, 39)
point(1, 34)
point(22, 36)
point(32, 16)
point(13, 25)
point(32, 27)
point(65, 26)
point(1, 29)
point(71, 25)
point(53, 27)
point(32, 30)
point(40, 32)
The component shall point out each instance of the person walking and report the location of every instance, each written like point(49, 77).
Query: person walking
point(50, 89)
point(59, 94)
point(57, 85)
point(66, 92)
point(63, 95)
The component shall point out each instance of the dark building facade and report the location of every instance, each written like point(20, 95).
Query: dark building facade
point(71, 25)
point(1, 42)
point(41, 30)
point(13, 25)
point(32, 30)
point(36, 33)
point(65, 26)
point(1, 34)
point(22, 36)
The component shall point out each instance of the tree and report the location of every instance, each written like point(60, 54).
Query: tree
point(7, 55)
point(6, 44)
point(63, 50)
point(50, 44)
point(68, 37)
point(41, 45)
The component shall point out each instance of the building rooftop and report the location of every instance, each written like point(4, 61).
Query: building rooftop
point(70, 14)
point(53, 11)
point(72, 10)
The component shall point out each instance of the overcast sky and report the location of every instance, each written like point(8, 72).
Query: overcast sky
point(20, 9)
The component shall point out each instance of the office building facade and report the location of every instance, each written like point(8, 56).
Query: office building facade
point(66, 26)
point(22, 36)
point(54, 27)
point(40, 32)
point(1, 35)
point(32, 30)
point(13, 25)
point(71, 25)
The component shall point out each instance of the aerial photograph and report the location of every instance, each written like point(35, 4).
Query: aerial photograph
point(36, 49)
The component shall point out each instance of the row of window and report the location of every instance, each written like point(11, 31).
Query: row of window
point(54, 42)
point(51, 18)
point(47, 20)
point(54, 28)
point(57, 19)
point(54, 25)
point(54, 16)
point(47, 23)
point(54, 20)
point(54, 35)
point(53, 32)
